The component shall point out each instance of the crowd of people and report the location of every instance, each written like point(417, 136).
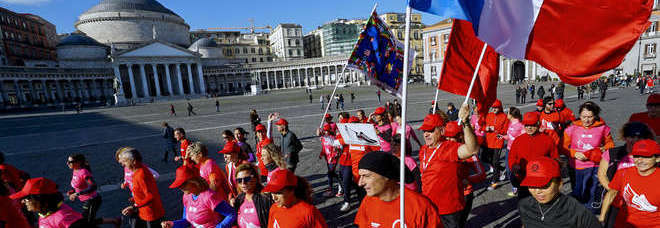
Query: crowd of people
point(461, 149)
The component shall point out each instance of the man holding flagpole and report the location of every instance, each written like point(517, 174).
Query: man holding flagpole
point(440, 164)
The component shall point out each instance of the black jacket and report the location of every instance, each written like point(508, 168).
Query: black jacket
point(567, 213)
point(262, 203)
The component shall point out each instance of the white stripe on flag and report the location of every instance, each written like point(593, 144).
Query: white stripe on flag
point(506, 25)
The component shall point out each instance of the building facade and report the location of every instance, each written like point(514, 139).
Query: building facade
point(334, 38)
point(235, 46)
point(286, 42)
point(643, 57)
point(312, 44)
point(397, 24)
point(27, 40)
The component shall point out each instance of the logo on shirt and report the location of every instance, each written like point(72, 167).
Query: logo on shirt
point(275, 224)
point(374, 225)
point(637, 201)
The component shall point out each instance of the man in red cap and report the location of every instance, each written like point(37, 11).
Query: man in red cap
point(328, 121)
point(565, 113)
point(263, 141)
point(180, 136)
point(548, 207)
point(652, 116)
point(440, 164)
point(550, 118)
point(638, 187)
point(496, 128)
point(529, 146)
point(289, 143)
point(539, 105)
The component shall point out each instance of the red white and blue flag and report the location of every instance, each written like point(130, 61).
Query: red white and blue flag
point(578, 40)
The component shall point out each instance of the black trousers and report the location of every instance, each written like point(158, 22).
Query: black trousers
point(90, 207)
point(452, 220)
point(136, 222)
point(469, 199)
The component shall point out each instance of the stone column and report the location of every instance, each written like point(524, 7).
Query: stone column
point(19, 93)
point(202, 83)
point(178, 74)
point(43, 84)
point(132, 81)
point(191, 83)
point(156, 79)
point(84, 87)
point(79, 90)
point(33, 95)
point(501, 62)
point(267, 80)
point(145, 84)
point(508, 71)
point(3, 97)
point(169, 80)
point(94, 88)
point(527, 63)
point(533, 76)
point(60, 91)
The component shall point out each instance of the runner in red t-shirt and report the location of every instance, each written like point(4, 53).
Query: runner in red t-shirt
point(293, 202)
point(496, 128)
point(180, 135)
point(379, 175)
point(439, 162)
point(638, 187)
point(263, 141)
point(652, 116)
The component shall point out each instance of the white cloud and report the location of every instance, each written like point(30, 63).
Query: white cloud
point(25, 2)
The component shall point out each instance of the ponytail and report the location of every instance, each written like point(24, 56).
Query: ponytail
point(303, 191)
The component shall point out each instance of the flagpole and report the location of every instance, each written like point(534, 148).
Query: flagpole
point(402, 126)
point(339, 78)
point(435, 100)
point(474, 77)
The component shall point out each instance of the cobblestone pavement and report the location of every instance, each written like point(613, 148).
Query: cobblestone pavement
point(39, 143)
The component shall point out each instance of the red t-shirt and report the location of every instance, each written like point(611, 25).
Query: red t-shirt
point(567, 115)
point(653, 123)
point(500, 123)
point(10, 214)
point(550, 120)
point(145, 195)
point(641, 196)
point(300, 215)
point(526, 147)
point(12, 175)
point(440, 177)
point(420, 212)
point(345, 158)
point(357, 152)
point(262, 167)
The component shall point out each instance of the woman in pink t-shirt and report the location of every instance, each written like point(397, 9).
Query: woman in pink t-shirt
point(273, 159)
point(40, 195)
point(201, 207)
point(84, 187)
point(209, 170)
point(252, 205)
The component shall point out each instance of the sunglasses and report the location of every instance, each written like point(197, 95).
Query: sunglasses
point(244, 180)
point(69, 162)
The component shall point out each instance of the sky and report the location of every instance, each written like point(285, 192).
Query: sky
point(200, 14)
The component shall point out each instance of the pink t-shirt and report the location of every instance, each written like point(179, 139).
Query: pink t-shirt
point(411, 164)
point(200, 212)
point(207, 168)
point(62, 218)
point(128, 177)
point(247, 215)
point(384, 145)
point(79, 183)
point(515, 129)
point(626, 162)
point(474, 120)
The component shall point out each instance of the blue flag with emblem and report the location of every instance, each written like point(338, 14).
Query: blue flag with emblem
point(380, 56)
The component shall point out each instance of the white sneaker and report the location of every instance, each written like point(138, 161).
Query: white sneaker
point(345, 207)
point(490, 170)
point(503, 176)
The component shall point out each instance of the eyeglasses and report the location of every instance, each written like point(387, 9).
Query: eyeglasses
point(69, 162)
point(244, 180)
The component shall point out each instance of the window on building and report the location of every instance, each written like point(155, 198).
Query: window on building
point(288, 42)
point(245, 51)
point(416, 35)
point(445, 38)
point(433, 41)
point(254, 59)
point(298, 52)
point(270, 59)
point(290, 52)
point(261, 51)
point(399, 35)
point(652, 29)
point(297, 42)
point(237, 50)
point(261, 60)
point(650, 50)
point(252, 50)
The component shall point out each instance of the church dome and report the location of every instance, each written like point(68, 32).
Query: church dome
point(78, 39)
point(129, 5)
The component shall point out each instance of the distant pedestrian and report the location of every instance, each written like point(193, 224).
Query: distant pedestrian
point(603, 89)
point(341, 101)
point(523, 94)
point(170, 142)
point(217, 106)
point(541, 92)
point(378, 94)
point(532, 89)
point(190, 109)
point(352, 97)
point(518, 93)
point(452, 112)
point(172, 111)
point(254, 120)
point(322, 101)
point(310, 98)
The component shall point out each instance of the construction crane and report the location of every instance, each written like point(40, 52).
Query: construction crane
point(252, 28)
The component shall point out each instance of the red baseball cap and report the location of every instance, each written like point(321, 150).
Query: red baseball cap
point(559, 103)
point(183, 174)
point(431, 121)
point(327, 115)
point(326, 127)
point(379, 111)
point(653, 99)
point(281, 178)
point(230, 147)
point(497, 104)
point(36, 186)
point(260, 127)
point(540, 171)
point(353, 119)
point(531, 118)
point(452, 129)
point(645, 148)
point(539, 102)
point(282, 121)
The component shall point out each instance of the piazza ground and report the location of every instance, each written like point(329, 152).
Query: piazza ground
point(39, 143)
